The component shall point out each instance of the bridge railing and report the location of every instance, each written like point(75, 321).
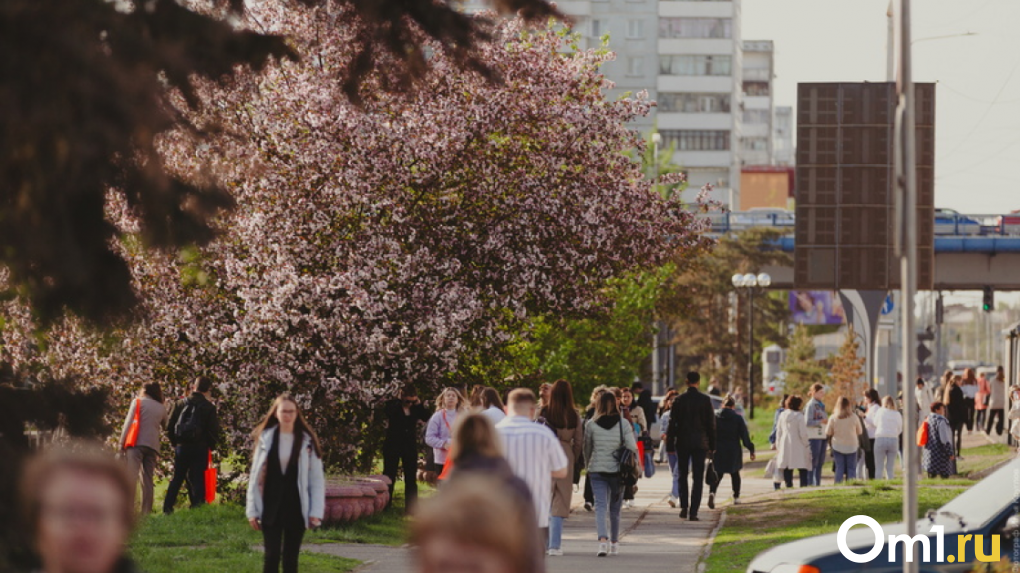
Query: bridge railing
point(946, 224)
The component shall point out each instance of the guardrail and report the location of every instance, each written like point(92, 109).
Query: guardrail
point(945, 224)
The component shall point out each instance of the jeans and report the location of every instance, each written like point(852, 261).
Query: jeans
point(817, 460)
point(845, 464)
point(407, 456)
point(696, 459)
point(649, 463)
point(555, 531)
point(190, 462)
point(869, 459)
point(992, 415)
point(608, 499)
point(290, 539)
point(671, 456)
point(885, 455)
point(143, 458)
point(734, 481)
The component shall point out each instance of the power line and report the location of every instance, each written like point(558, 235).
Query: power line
point(985, 114)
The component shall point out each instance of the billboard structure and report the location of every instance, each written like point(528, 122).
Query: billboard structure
point(845, 186)
point(816, 307)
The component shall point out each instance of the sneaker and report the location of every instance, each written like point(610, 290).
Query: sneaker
point(614, 548)
point(603, 550)
point(628, 503)
point(554, 553)
point(711, 501)
point(683, 513)
point(588, 506)
point(736, 501)
point(672, 501)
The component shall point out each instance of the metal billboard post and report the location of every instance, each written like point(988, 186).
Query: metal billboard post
point(906, 183)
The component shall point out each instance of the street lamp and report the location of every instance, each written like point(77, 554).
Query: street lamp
point(751, 283)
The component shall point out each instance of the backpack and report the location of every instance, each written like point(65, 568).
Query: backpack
point(922, 434)
point(189, 425)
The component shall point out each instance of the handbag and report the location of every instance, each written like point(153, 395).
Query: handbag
point(711, 477)
point(210, 481)
point(131, 440)
point(770, 468)
point(816, 433)
point(629, 470)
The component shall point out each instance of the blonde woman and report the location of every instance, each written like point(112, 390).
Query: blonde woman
point(286, 486)
point(888, 427)
point(844, 429)
point(439, 432)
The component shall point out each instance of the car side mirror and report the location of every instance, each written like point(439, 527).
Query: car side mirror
point(1012, 527)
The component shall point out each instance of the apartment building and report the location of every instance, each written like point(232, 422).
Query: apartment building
point(756, 143)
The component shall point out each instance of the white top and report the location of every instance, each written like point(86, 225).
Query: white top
point(286, 446)
point(969, 390)
point(888, 423)
point(869, 419)
point(534, 453)
point(495, 414)
point(923, 397)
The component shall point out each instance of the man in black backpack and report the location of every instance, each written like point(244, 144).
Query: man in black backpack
point(193, 428)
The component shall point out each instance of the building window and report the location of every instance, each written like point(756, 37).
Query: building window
point(696, 139)
point(694, 102)
point(756, 116)
point(635, 29)
point(635, 66)
point(598, 28)
point(695, 28)
point(756, 88)
point(754, 143)
point(695, 65)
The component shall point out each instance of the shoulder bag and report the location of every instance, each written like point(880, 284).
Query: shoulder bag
point(629, 470)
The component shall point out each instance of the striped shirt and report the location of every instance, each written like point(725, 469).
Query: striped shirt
point(534, 453)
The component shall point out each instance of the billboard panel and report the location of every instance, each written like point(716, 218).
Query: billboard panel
point(814, 307)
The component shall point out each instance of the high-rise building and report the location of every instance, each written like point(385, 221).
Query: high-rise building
point(782, 136)
point(756, 146)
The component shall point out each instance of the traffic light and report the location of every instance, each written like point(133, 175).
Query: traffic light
point(989, 301)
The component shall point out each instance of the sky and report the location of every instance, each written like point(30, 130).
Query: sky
point(977, 125)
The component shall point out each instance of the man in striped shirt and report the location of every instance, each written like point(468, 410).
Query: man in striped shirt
point(533, 451)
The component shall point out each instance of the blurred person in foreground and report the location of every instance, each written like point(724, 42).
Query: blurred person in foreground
point(474, 527)
point(140, 438)
point(78, 510)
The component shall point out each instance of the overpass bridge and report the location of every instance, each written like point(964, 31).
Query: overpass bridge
point(971, 251)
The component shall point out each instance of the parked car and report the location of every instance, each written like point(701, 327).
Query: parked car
point(763, 217)
point(950, 222)
point(985, 509)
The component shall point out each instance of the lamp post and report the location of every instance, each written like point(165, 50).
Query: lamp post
point(750, 282)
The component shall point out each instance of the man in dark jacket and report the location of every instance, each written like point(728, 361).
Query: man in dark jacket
point(194, 430)
point(691, 435)
point(401, 445)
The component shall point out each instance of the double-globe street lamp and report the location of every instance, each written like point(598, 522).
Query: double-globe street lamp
point(750, 283)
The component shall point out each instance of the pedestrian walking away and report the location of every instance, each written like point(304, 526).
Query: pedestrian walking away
point(674, 494)
point(981, 401)
point(956, 409)
point(969, 387)
point(533, 451)
point(194, 430)
point(400, 448)
point(816, 418)
point(692, 433)
point(888, 427)
point(286, 485)
point(606, 435)
point(491, 405)
point(439, 431)
point(140, 438)
point(996, 402)
point(564, 420)
point(589, 413)
point(731, 432)
point(938, 457)
point(775, 420)
point(872, 402)
point(793, 448)
point(844, 429)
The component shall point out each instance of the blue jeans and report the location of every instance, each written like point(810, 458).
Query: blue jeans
point(671, 456)
point(817, 460)
point(649, 463)
point(608, 499)
point(555, 531)
point(845, 463)
point(885, 456)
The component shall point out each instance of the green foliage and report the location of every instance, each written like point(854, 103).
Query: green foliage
point(801, 367)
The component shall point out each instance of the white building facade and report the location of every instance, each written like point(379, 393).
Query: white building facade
point(756, 144)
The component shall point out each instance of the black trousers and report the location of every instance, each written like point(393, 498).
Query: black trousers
point(589, 495)
point(696, 460)
point(869, 459)
point(408, 458)
point(997, 413)
point(289, 538)
point(971, 410)
point(957, 428)
point(979, 419)
point(190, 461)
point(734, 480)
point(788, 477)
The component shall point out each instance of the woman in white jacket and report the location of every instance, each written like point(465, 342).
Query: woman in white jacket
point(794, 451)
point(286, 486)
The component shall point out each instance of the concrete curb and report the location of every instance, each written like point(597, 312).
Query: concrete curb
point(706, 549)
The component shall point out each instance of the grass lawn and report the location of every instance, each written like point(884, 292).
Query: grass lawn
point(982, 457)
point(211, 538)
point(763, 524)
point(760, 427)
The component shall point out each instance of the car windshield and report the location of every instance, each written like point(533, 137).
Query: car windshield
point(977, 506)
